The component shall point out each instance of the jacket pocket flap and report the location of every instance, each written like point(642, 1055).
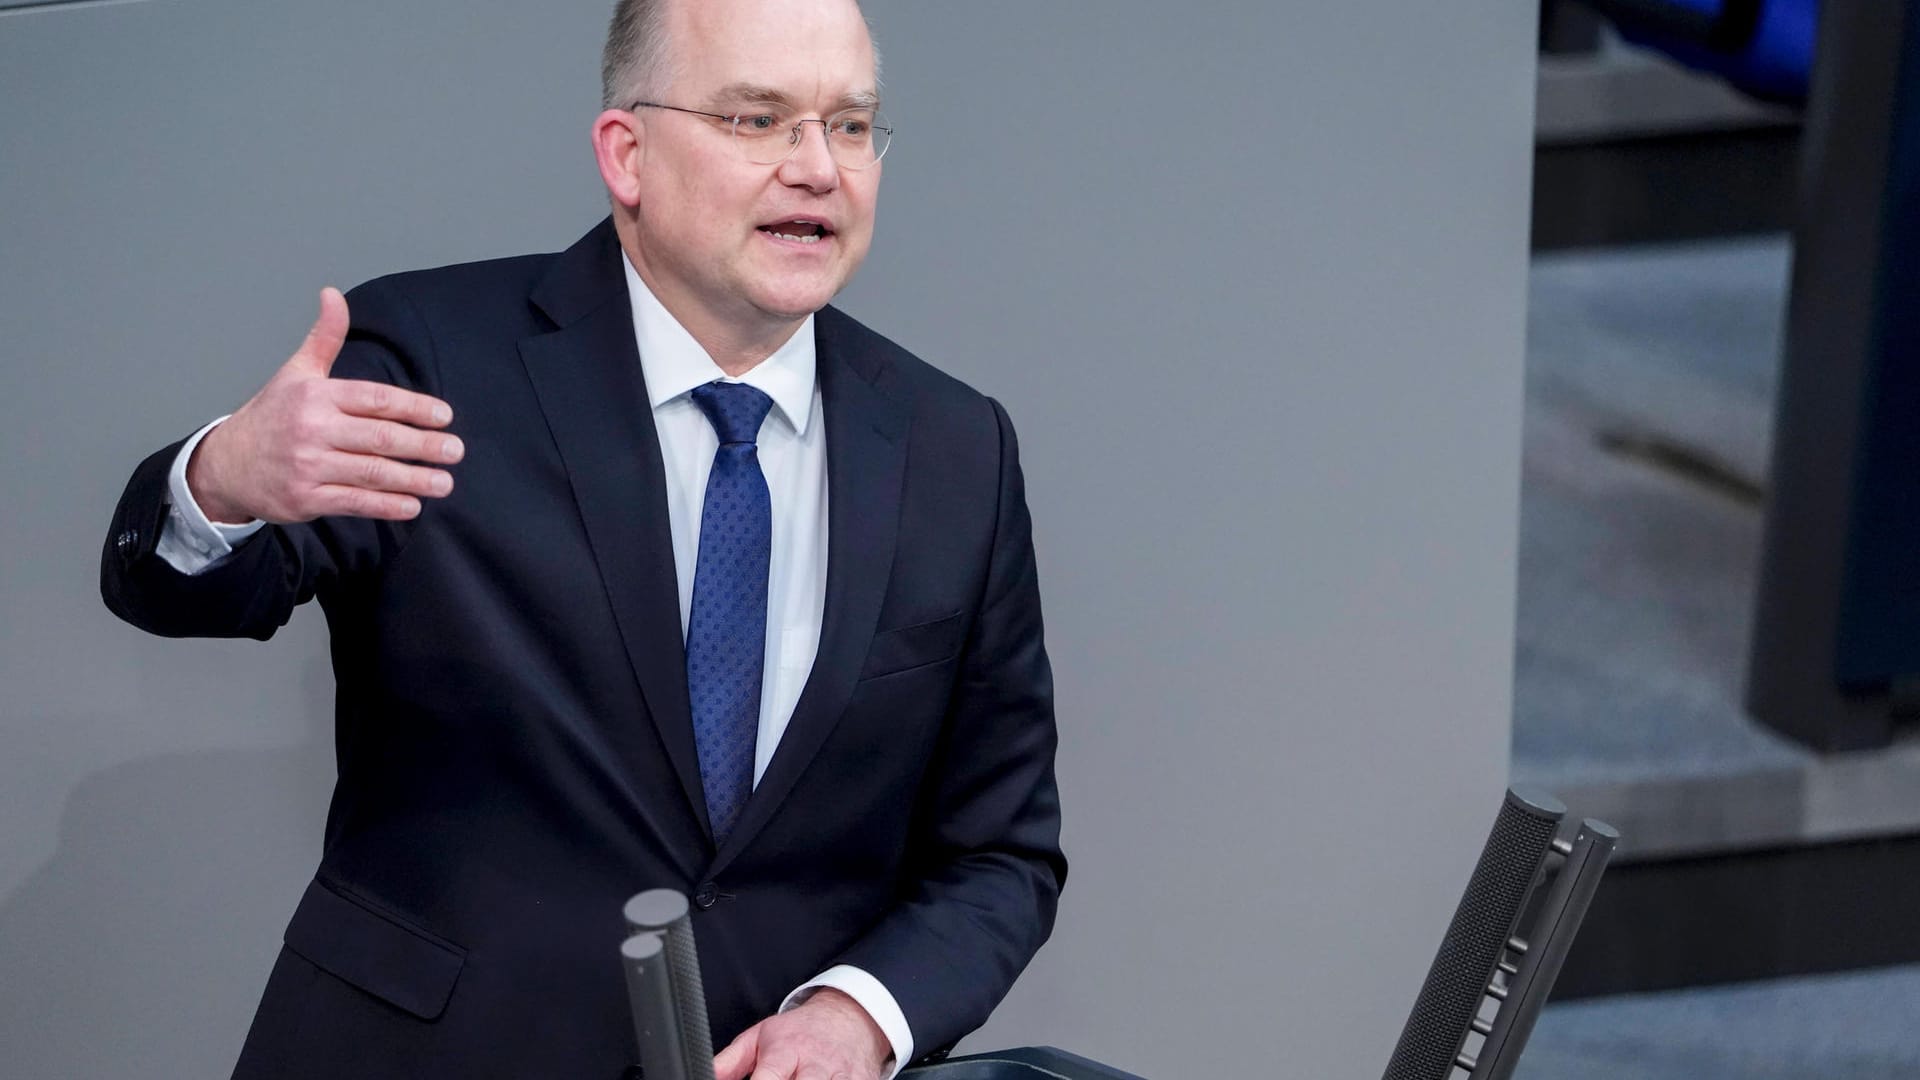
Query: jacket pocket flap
point(393, 960)
point(912, 646)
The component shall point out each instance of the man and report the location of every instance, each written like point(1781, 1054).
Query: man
point(732, 596)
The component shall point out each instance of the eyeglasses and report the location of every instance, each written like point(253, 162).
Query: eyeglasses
point(768, 134)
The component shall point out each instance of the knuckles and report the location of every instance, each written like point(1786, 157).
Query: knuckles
point(304, 430)
point(304, 458)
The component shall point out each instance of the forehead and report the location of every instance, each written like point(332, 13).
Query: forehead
point(809, 50)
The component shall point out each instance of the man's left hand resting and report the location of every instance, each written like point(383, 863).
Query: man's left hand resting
point(827, 1037)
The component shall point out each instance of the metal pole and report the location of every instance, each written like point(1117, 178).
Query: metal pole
point(665, 912)
point(656, 1024)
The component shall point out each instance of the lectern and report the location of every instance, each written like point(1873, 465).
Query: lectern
point(670, 1011)
point(1026, 1063)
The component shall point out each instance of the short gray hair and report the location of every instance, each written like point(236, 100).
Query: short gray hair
point(637, 61)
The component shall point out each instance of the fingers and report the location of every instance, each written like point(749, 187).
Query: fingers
point(803, 1070)
point(382, 474)
point(792, 1046)
point(383, 402)
point(339, 499)
point(316, 354)
point(387, 438)
point(734, 1062)
point(308, 445)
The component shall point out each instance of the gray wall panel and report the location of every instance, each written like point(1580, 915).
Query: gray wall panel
point(1249, 279)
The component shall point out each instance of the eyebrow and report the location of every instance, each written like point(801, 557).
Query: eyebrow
point(754, 92)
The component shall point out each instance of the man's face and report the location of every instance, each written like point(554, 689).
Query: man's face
point(710, 223)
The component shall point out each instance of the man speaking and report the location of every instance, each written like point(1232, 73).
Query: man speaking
point(643, 568)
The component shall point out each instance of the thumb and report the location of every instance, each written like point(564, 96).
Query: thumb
point(316, 354)
point(737, 1060)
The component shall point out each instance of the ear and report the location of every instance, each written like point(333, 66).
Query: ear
point(619, 146)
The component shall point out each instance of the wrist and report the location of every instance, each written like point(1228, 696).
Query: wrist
point(854, 1016)
point(203, 483)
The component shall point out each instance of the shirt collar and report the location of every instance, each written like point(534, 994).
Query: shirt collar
point(673, 363)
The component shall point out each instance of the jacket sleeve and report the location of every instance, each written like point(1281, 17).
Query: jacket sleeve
point(986, 866)
point(253, 592)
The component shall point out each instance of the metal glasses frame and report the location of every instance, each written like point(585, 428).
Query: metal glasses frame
point(793, 137)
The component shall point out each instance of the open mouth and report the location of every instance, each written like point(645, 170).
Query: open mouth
point(799, 231)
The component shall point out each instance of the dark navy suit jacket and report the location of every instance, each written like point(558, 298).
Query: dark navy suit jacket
point(513, 742)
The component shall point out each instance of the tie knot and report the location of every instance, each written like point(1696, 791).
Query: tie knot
point(734, 409)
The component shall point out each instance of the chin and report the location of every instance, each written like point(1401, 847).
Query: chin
point(795, 300)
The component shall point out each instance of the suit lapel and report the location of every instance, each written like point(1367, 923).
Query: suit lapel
point(587, 377)
point(866, 460)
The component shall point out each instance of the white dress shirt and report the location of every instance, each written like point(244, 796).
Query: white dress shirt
point(793, 456)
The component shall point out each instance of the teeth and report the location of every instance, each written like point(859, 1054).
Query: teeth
point(814, 238)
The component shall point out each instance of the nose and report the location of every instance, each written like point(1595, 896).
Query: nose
point(811, 164)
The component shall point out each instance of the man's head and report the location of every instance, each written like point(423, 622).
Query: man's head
point(709, 230)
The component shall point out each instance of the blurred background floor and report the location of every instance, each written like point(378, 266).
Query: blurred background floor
point(1650, 382)
point(1636, 573)
point(1853, 1026)
point(1749, 865)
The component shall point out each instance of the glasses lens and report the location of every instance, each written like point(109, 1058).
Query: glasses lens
point(765, 134)
point(856, 139)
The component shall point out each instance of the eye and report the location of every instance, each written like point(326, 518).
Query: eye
point(759, 123)
point(855, 128)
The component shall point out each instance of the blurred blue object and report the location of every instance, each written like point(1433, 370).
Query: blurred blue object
point(1762, 47)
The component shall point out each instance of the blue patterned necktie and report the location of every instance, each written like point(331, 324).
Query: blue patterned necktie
point(727, 629)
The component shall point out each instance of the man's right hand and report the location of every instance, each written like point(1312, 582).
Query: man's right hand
point(307, 446)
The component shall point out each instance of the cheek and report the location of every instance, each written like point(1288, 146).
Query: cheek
point(702, 197)
point(854, 252)
point(861, 235)
point(867, 186)
point(863, 201)
point(701, 229)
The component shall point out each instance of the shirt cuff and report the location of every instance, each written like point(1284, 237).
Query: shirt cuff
point(873, 997)
point(189, 541)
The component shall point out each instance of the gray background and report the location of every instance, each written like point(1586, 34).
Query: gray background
point(1249, 277)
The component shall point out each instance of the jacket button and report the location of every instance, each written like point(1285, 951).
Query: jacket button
point(706, 896)
point(126, 541)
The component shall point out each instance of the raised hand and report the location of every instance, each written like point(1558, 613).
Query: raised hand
point(307, 446)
